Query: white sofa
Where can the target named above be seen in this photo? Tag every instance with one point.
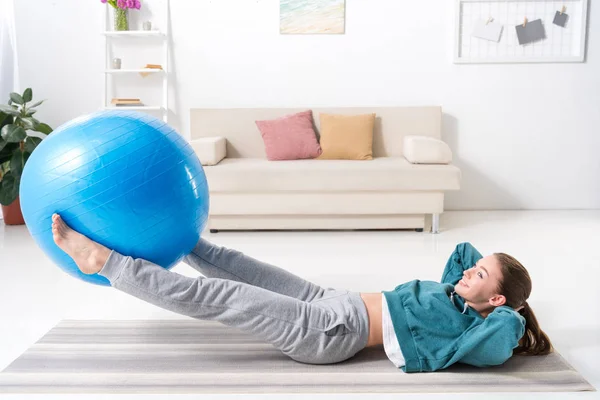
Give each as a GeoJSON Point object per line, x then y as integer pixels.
{"type": "Point", "coordinates": [406, 180]}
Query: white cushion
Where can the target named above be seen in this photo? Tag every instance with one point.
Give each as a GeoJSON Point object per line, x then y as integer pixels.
{"type": "Point", "coordinates": [426, 150]}
{"type": "Point", "coordinates": [210, 150]}
{"type": "Point", "coordinates": [379, 174]}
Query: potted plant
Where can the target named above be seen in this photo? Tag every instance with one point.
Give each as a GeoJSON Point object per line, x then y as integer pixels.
{"type": "Point", "coordinates": [16, 145]}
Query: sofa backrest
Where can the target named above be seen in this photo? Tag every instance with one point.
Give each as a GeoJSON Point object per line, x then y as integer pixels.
{"type": "Point", "coordinates": [244, 139]}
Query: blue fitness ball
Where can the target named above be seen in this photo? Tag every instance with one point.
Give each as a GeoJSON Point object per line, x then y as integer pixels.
{"type": "Point", "coordinates": [124, 179]}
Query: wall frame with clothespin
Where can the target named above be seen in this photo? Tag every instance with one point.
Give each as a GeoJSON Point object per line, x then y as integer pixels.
{"type": "Point", "coordinates": [515, 39]}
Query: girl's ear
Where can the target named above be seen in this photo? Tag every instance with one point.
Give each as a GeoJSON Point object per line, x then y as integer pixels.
{"type": "Point", "coordinates": [498, 300]}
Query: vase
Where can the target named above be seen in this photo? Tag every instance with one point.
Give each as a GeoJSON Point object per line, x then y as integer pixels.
{"type": "Point", "coordinates": [121, 19]}
{"type": "Point", "coordinates": [12, 213]}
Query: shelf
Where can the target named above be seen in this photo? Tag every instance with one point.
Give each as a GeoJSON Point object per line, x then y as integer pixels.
{"type": "Point", "coordinates": [133, 71]}
{"type": "Point", "coordinates": [136, 108]}
{"type": "Point", "coordinates": [134, 34]}
{"type": "Point", "coordinates": [155, 40]}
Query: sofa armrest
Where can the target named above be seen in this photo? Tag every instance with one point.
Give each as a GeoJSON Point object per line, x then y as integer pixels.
{"type": "Point", "coordinates": [210, 150]}
{"type": "Point", "coordinates": [426, 150]}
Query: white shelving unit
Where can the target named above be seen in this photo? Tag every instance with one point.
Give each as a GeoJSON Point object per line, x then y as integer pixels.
{"type": "Point", "coordinates": [162, 34]}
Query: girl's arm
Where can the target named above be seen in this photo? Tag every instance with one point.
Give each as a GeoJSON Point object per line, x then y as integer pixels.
{"type": "Point", "coordinates": [492, 342]}
{"type": "Point", "coordinates": [463, 258]}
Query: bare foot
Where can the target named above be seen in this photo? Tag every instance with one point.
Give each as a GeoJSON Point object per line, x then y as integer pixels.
{"type": "Point", "coordinates": [89, 256]}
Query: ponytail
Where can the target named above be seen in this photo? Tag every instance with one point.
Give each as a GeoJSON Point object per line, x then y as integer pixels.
{"type": "Point", "coordinates": [534, 342]}
{"type": "Point", "coordinates": [515, 285]}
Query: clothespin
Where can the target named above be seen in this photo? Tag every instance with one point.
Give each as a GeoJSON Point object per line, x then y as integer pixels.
{"type": "Point", "coordinates": [490, 19]}
{"type": "Point", "coordinates": [564, 8]}
{"type": "Point", "coordinates": [525, 22]}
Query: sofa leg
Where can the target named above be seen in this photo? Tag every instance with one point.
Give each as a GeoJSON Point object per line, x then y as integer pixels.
{"type": "Point", "coordinates": [214, 231]}
{"type": "Point", "coordinates": [435, 223]}
{"type": "Point", "coordinates": [418, 229]}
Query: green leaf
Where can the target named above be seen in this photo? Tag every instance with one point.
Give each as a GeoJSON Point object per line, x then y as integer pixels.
{"type": "Point", "coordinates": [44, 128]}
{"type": "Point", "coordinates": [7, 152]}
{"type": "Point", "coordinates": [27, 95]}
{"type": "Point", "coordinates": [31, 143]}
{"type": "Point", "coordinates": [17, 163]}
{"type": "Point", "coordinates": [3, 144]}
{"type": "Point", "coordinates": [30, 112]}
{"type": "Point", "coordinates": [28, 123]}
{"type": "Point", "coordinates": [9, 190]}
{"type": "Point", "coordinates": [16, 98]}
{"type": "Point", "coordinates": [5, 119]}
{"type": "Point", "coordinates": [36, 104]}
{"type": "Point", "coordinates": [9, 110]}
{"type": "Point", "coordinates": [13, 133]}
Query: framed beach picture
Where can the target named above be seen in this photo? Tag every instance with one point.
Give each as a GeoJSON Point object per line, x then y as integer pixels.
{"type": "Point", "coordinates": [312, 16]}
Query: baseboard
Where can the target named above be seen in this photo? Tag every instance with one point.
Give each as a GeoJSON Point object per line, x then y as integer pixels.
{"type": "Point", "coordinates": [315, 222]}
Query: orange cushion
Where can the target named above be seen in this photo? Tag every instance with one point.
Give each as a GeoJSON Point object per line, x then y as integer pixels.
{"type": "Point", "coordinates": [347, 137]}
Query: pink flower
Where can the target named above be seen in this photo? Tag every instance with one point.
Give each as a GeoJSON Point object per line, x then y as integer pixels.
{"type": "Point", "coordinates": [124, 4]}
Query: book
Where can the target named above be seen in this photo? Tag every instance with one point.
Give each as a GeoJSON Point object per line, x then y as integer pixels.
{"type": "Point", "coordinates": [150, 66]}
{"type": "Point", "coordinates": [120, 102]}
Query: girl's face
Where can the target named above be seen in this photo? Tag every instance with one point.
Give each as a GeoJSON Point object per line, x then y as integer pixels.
{"type": "Point", "coordinates": [479, 283]}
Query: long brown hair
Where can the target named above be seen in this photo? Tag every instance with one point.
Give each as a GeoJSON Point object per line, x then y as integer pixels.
{"type": "Point", "coordinates": [515, 285]}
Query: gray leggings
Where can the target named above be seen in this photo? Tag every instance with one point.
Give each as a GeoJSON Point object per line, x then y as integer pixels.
{"type": "Point", "coordinates": [306, 322]}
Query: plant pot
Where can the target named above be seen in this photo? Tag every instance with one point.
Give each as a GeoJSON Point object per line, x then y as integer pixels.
{"type": "Point", "coordinates": [12, 213]}
{"type": "Point", "coordinates": [121, 19]}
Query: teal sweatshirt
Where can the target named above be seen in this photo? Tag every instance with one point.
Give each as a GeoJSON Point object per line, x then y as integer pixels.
{"type": "Point", "coordinates": [435, 328]}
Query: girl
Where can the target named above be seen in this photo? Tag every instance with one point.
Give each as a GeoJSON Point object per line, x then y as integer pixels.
{"type": "Point", "coordinates": [477, 315]}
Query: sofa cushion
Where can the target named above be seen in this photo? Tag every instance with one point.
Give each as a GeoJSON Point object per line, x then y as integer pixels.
{"type": "Point", "coordinates": [210, 150]}
{"type": "Point", "coordinates": [426, 150]}
{"type": "Point", "coordinates": [291, 137]}
{"type": "Point", "coordinates": [379, 174]}
{"type": "Point", "coordinates": [347, 137]}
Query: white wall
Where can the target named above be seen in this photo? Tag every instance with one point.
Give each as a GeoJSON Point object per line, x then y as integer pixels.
{"type": "Point", "coordinates": [9, 79]}
{"type": "Point", "coordinates": [525, 136]}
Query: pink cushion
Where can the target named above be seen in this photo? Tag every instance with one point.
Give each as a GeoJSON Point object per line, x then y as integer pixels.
{"type": "Point", "coordinates": [290, 138]}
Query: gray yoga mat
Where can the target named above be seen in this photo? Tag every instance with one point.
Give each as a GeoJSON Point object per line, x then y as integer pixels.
{"type": "Point", "coordinates": [191, 356]}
